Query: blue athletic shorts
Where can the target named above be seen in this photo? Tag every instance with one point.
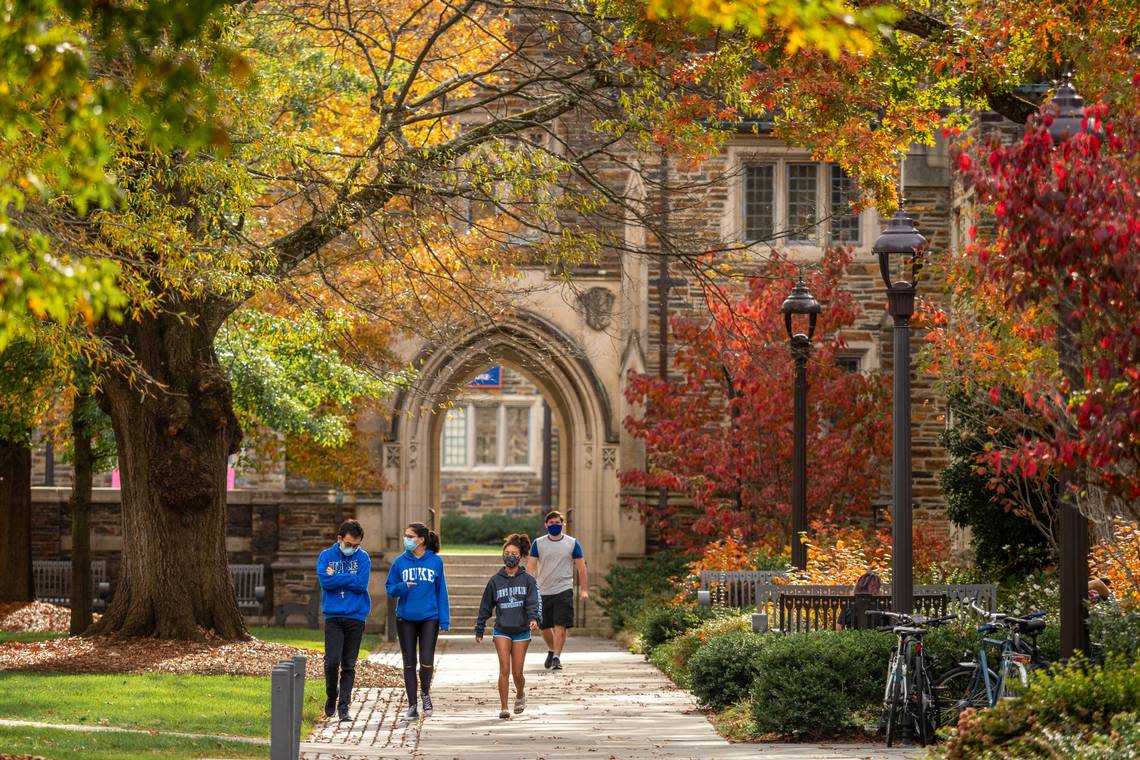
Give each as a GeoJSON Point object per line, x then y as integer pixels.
{"type": "Point", "coordinates": [520, 636]}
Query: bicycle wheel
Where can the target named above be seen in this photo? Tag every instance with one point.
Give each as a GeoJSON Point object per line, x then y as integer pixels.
{"type": "Point", "coordinates": [894, 705]}
{"type": "Point", "coordinates": [958, 689]}
{"type": "Point", "coordinates": [923, 706]}
{"type": "Point", "coordinates": [1014, 677]}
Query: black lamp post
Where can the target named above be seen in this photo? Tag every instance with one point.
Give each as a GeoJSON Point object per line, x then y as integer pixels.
{"type": "Point", "coordinates": [1068, 107]}
{"type": "Point", "coordinates": [901, 238]}
{"type": "Point", "coordinates": [800, 302]}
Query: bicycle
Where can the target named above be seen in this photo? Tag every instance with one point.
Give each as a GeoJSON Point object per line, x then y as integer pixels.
{"type": "Point", "coordinates": [909, 697]}
{"type": "Point", "coordinates": [974, 684]}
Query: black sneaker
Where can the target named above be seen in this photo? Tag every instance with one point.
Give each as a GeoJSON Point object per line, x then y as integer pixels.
{"type": "Point", "coordinates": [413, 713]}
{"type": "Point", "coordinates": [330, 707]}
{"type": "Point", "coordinates": [556, 664]}
{"type": "Point", "coordinates": [549, 660]}
{"type": "Point", "coordinates": [426, 699]}
{"type": "Point", "coordinates": [344, 714]}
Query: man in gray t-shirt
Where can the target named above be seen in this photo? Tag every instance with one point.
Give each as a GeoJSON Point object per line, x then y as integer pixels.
{"type": "Point", "coordinates": [553, 559]}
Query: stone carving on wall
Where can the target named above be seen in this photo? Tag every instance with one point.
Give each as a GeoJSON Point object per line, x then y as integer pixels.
{"type": "Point", "coordinates": [597, 305]}
{"type": "Point", "coordinates": [392, 456]}
{"type": "Point", "coordinates": [412, 450]}
{"type": "Point", "coordinates": [609, 457]}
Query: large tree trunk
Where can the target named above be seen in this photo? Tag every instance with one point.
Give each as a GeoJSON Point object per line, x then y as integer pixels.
{"type": "Point", "coordinates": [80, 505]}
{"type": "Point", "coordinates": [173, 444]}
{"type": "Point", "coordinates": [16, 582]}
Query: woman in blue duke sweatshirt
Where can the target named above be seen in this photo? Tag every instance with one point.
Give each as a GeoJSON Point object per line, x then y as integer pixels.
{"type": "Point", "coordinates": [416, 581]}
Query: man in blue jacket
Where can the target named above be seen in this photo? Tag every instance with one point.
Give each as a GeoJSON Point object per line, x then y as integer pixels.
{"type": "Point", "coordinates": [343, 570]}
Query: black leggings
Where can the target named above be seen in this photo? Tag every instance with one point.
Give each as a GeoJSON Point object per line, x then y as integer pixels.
{"type": "Point", "coordinates": [410, 632]}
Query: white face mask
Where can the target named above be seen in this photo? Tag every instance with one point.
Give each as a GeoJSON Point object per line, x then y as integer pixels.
{"type": "Point", "coordinates": [348, 551]}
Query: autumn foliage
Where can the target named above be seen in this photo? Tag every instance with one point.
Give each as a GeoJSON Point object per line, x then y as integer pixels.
{"type": "Point", "coordinates": [1117, 558]}
{"type": "Point", "coordinates": [718, 432]}
{"type": "Point", "coordinates": [1065, 246]}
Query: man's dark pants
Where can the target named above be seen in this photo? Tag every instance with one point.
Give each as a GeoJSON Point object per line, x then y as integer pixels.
{"type": "Point", "coordinates": [342, 645]}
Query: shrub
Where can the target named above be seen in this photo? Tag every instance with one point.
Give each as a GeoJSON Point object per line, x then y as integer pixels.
{"type": "Point", "coordinates": [670, 659]}
{"type": "Point", "coordinates": [1115, 631]}
{"type": "Point", "coordinates": [630, 589]}
{"type": "Point", "coordinates": [722, 670]}
{"type": "Point", "coordinates": [660, 624]}
{"type": "Point", "coordinates": [674, 657]}
{"type": "Point", "coordinates": [489, 529]}
{"type": "Point", "coordinates": [1075, 701]}
{"type": "Point", "coordinates": [813, 683]}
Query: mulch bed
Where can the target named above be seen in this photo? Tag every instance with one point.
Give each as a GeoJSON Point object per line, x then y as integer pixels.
{"type": "Point", "coordinates": [21, 757]}
{"type": "Point", "coordinates": [35, 617]}
{"type": "Point", "coordinates": [113, 654]}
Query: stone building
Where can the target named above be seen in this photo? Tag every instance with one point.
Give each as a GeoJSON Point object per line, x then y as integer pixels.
{"type": "Point", "coordinates": [455, 444]}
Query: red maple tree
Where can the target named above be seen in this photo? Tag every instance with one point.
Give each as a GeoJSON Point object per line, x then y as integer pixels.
{"type": "Point", "coordinates": [1066, 240]}
{"type": "Point", "coordinates": [718, 433]}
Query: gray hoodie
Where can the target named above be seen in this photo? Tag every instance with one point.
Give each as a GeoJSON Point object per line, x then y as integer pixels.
{"type": "Point", "coordinates": [516, 600]}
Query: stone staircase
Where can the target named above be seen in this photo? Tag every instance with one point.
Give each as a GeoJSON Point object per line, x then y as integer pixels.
{"type": "Point", "coordinates": [467, 576]}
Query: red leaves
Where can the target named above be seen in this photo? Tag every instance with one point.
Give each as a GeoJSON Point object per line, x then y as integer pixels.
{"type": "Point", "coordinates": [720, 434]}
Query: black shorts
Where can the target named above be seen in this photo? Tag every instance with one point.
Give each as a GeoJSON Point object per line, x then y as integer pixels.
{"type": "Point", "coordinates": [558, 609]}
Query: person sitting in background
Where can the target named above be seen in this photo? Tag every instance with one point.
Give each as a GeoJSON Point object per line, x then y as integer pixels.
{"type": "Point", "coordinates": [1098, 591]}
{"type": "Point", "coordinates": [854, 613]}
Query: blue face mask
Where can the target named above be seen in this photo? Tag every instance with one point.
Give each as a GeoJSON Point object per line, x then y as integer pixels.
{"type": "Point", "coordinates": [555, 529]}
{"type": "Point", "coordinates": [348, 551]}
{"type": "Point", "coordinates": [409, 544]}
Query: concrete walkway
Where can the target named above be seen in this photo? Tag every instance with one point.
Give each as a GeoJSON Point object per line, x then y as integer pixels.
{"type": "Point", "coordinates": [606, 704]}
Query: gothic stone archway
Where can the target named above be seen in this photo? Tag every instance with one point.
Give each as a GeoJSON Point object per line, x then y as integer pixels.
{"type": "Point", "coordinates": [589, 491]}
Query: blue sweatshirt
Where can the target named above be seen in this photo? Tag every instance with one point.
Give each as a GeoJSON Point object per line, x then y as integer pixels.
{"type": "Point", "coordinates": [427, 598]}
{"type": "Point", "coordinates": [344, 594]}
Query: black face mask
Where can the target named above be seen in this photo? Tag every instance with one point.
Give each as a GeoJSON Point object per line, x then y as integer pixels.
{"type": "Point", "coordinates": [511, 560]}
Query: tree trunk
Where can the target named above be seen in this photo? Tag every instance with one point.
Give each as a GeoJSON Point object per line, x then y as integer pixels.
{"type": "Point", "coordinates": [80, 505]}
{"type": "Point", "coordinates": [173, 444]}
{"type": "Point", "coordinates": [16, 582]}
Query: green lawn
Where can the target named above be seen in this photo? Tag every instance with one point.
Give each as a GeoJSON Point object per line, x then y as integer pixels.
{"type": "Point", "coordinates": [470, 549]}
{"type": "Point", "coordinates": [216, 705]}
{"type": "Point", "coordinates": [57, 744]}
{"type": "Point", "coordinates": [6, 636]}
{"type": "Point", "coordinates": [307, 638]}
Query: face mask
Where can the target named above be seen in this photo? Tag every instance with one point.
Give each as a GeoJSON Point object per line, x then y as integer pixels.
{"type": "Point", "coordinates": [348, 551]}
{"type": "Point", "coordinates": [511, 560]}
{"type": "Point", "coordinates": [409, 544]}
{"type": "Point", "coordinates": [555, 529]}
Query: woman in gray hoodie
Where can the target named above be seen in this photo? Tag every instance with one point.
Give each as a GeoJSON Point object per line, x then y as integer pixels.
{"type": "Point", "coordinates": [513, 594]}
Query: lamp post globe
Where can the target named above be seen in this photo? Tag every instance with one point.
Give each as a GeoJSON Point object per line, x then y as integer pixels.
{"type": "Point", "coordinates": [799, 303]}
{"type": "Point", "coordinates": [901, 240]}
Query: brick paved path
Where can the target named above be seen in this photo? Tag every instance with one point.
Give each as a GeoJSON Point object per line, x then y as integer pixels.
{"type": "Point", "coordinates": [605, 704]}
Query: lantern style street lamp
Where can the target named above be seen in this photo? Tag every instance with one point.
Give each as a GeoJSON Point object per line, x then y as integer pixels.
{"type": "Point", "coordinates": [1067, 108]}
{"type": "Point", "coordinates": [800, 303]}
{"type": "Point", "coordinates": [901, 240]}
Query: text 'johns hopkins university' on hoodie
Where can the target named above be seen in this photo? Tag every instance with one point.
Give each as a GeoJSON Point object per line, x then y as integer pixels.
{"type": "Point", "coordinates": [344, 594]}
{"type": "Point", "coordinates": [427, 599]}
{"type": "Point", "coordinates": [515, 600]}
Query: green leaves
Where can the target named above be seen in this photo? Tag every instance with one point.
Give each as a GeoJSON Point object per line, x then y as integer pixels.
{"type": "Point", "coordinates": [289, 375]}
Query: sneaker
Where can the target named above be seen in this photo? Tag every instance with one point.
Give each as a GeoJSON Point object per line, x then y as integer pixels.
{"type": "Point", "coordinates": [520, 703]}
{"type": "Point", "coordinates": [549, 660]}
{"type": "Point", "coordinates": [426, 699]}
{"type": "Point", "coordinates": [505, 714]}
{"type": "Point", "coordinates": [413, 713]}
{"type": "Point", "coordinates": [556, 664]}
{"type": "Point", "coordinates": [344, 714]}
{"type": "Point", "coordinates": [330, 707]}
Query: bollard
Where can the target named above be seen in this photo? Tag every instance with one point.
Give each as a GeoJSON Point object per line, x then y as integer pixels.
{"type": "Point", "coordinates": [298, 701]}
{"type": "Point", "coordinates": [759, 622]}
{"type": "Point", "coordinates": [704, 598]}
{"type": "Point", "coordinates": [281, 712]}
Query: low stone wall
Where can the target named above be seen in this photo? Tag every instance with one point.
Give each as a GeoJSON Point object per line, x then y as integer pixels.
{"type": "Point", "coordinates": [283, 530]}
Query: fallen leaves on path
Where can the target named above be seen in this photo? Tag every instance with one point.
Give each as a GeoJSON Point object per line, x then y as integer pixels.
{"type": "Point", "coordinates": [35, 617]}
{"type": "Point", "coordinates": [113, 654]}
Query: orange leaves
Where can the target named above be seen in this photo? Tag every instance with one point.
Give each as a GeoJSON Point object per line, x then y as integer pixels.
{"type": "Point", "coordinates": [1117, 557]}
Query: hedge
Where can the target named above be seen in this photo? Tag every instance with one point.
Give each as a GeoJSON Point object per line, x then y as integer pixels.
{"type": "Point", "coordinates": [631, 589]}
{"type": "Point", "coordinates": [488, 529]}
{"type": "Point", "coordinates": [724, 668]}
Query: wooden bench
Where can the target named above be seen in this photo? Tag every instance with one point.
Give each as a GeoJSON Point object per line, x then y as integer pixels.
{"type": "Point", "coordinates": [53, 582]}
{"type": "Point", "coordinates": [806, 612]}
{"type": "Point", "coordinates": [311, 609]}
{"type": "Point", "coordinates": [249, 585]}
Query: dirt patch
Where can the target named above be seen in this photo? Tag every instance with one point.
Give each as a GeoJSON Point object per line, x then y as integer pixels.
{"type": "Point", "coordinates": [35, 617]}
{"type": "Point", "coordinates": [112, 654]}
{"type": "Point", "coordinates": [21, 757]}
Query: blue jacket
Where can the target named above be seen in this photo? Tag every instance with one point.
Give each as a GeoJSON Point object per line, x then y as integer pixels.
{"type": "Point", "coordinates": [427, 598]}
{"type": "Point", "coordinates": [344, 594]}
